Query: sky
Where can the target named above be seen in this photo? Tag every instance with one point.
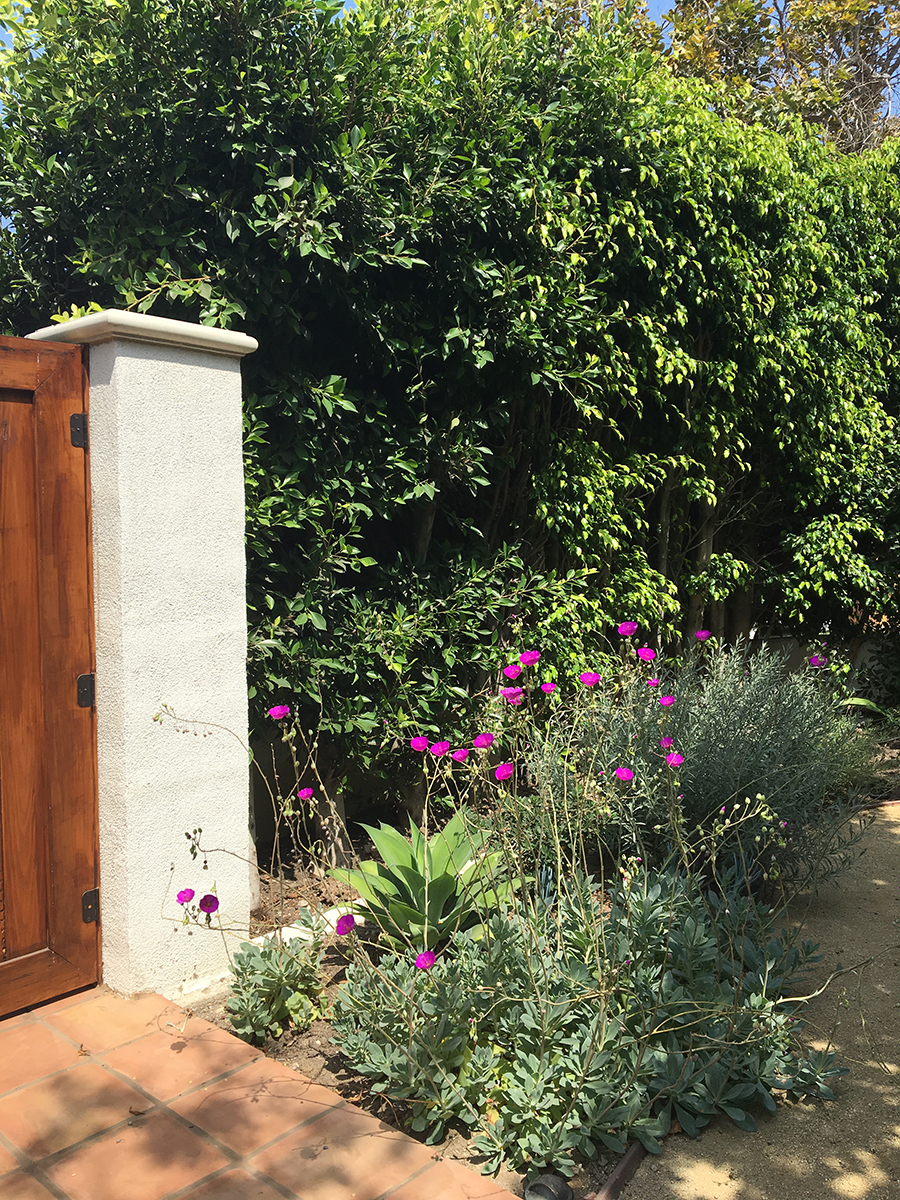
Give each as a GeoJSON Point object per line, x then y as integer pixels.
{"type": "Point", "coordinates": [656, 8]}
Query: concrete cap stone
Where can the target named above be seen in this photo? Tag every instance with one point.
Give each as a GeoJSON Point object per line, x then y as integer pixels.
{"type": "Point", "coordinates": [114, 324]}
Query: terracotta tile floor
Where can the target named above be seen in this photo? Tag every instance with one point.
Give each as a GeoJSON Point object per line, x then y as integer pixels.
{"type": "Point", "coordinates": [107, 1098]}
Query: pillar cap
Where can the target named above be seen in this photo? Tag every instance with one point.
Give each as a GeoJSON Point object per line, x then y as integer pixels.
{"type": "Point", "coordinates": [114, 324]}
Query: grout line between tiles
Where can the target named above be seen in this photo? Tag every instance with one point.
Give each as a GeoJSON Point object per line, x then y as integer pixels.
{"type": "Point", "coordinates": [53, 1189]}
{"type": "Point", "coordinates": [264, 1145]}
{"type": "Point", "coordinates": [154, 1106]}
{"type": "Point", "coordinates": [410, 1179]}
{"type": "Point", "coordinates": [22, 1159]}
{"type": "Point", "coordinates": [132, 1082]}
{"type": "Point", "coordinates": [260, 1176]}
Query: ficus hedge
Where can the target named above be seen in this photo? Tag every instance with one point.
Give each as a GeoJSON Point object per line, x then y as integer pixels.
{"type": "Point", "coordinates": [545, 339]}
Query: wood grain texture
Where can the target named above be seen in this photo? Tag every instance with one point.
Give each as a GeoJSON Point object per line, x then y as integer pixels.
{"type": "Point", "coordinates": [2, 908]}
{"type": "Point", "coordinates": [22, 795]}
{"type": "Point", "coordinates": [20, 369]}
{"type": "Point", "coordinates": [48, 768]}
{"type": "Point", "coordinates": [37, 978]}
{"type": "Point", "coordinates": [67, 651]}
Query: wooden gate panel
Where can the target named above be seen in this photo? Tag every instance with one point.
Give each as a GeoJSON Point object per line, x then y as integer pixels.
{"type": "Point", "coordinates": [48, 790]}
{"type": "Point", "coordinates": [21, 709]}
{"type": "Point", "coordinates": [67, 651]}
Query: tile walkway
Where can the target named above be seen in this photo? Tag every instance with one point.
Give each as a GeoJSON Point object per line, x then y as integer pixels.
{"type": "Point", "coordinates": [108, 1098]}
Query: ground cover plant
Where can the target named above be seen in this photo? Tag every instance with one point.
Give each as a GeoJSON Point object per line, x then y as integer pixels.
{"type": "Point", "coordinates": [565, 1027]}
{"type": "Point", "coordinates": [276, 984]}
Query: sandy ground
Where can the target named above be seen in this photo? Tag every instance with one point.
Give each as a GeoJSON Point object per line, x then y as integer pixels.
{"type": "Point", "coordinates": [848, 1149]}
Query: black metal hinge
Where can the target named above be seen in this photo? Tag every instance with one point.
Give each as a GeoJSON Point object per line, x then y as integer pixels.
{"type": "Point", "coordinates": [85, 691]}
{"type": "Point", "coordinates": [90, 906]}
{"type": "Point", "coordinates": [79, 430]}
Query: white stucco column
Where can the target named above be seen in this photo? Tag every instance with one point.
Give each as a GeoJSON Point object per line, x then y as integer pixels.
{"type": "Point", "coordinates": [167, 498]}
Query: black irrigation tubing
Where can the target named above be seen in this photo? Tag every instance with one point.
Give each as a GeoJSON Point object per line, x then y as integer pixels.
{"type": "Point", "coordinates": [622, 1173]}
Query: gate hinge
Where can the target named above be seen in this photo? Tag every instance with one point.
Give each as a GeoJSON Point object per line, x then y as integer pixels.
{"type": "Point", "coordinates": [90, 906]}
{"type": "Point", "coordinates": [85, 691]}
{"type": "Point", "coordinates": [78, 429]}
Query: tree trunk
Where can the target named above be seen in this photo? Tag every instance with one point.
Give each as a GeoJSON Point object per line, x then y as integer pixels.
{"type": "Point", "coordinates": [697, 603]}
{"type": "Point", "coordinates": [740, 616]}
{"type": "Point", "coordinates": [423, 524]}
{"type": "Point", "coordinates": [411, 795]}
{"type": "Point", "coordinates": [717, 619]}
{"type": "Point", "coordinates": [665, 524]}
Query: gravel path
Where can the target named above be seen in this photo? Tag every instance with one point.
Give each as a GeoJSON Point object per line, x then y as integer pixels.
{"type": "Point", "coordinates": [849, 1149]}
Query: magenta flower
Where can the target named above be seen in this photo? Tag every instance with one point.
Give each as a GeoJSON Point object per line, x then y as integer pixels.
{"type": "Point", "coordinates": [345, 924]}
{"type": "Point", "coordinates": [440, 748]}
{"type": "Point", "coordinates": [674, 760]}
{"type": "Point", "coordinates": [667, 743]}
{"type": "Point", "coordinates": [665, 701]}
{"type": "Point", "coordinates": [483, 740]}
{"type": "Point", "coordinates": [652, 683]}
{"type": "Point", "coordinates": [702, 634]}
{"type": "Point", "coordinates": [419, 743]}
{"type": "Point", "coordinates": [425, 960]}
{"type": "Point", "coordinates": [515, 701]}
{"type": "Point", "coordinates": [627, 628]}
{"type": "Point", "coordinates": [186, 896]}
{"type": "Point", "coordinates": [589, 678]}
{"type": "Point", "coordinates": [503, 772]}
{"type": "Point", "coordinates": [816, 661]}
{"type": "Point", "coordinates": [529, 657]}
{"type": "Point", "coordinates": [513, 695]}
{"type": "Point", "coordinates": [305, 794]}
{"type": "Point", "coordinates": [548, 688]}
{"type": "Point", "coordinates": [624, 774]}
{"type": "Point", "coordinates": [459, 755]}
{"type": "Point", "coordinates": [513, 671]}
{"type": "Point", "coordinates": [208, 903]}
{"type": "Point", "coordinates": [645, 654]}
{"type": "Point", "coordinates": [279, 712]}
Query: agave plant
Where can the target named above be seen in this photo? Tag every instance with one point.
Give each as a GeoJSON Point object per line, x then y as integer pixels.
{"type": "Point", "coordinates": [426, 888]}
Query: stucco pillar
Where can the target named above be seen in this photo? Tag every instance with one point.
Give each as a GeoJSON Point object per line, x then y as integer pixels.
{"type": "Point", "coordinates": [167, 500]}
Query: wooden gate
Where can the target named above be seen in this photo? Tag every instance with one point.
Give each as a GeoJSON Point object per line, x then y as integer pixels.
{"type": "Point", "coordinates": [49, 930]}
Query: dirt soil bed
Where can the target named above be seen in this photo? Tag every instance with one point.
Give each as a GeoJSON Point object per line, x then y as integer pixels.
{"type": "Point", "coordinates": [846, 1150]}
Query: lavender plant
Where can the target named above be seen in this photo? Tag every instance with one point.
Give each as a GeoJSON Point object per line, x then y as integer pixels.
{"type": "Point", "coordinates": [659, 745]}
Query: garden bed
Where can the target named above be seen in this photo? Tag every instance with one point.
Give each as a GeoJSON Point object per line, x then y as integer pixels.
{"type": "Point", "coordinates": [311, 1052]}
{"type": "Point", "coordinates": [674, 956]}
